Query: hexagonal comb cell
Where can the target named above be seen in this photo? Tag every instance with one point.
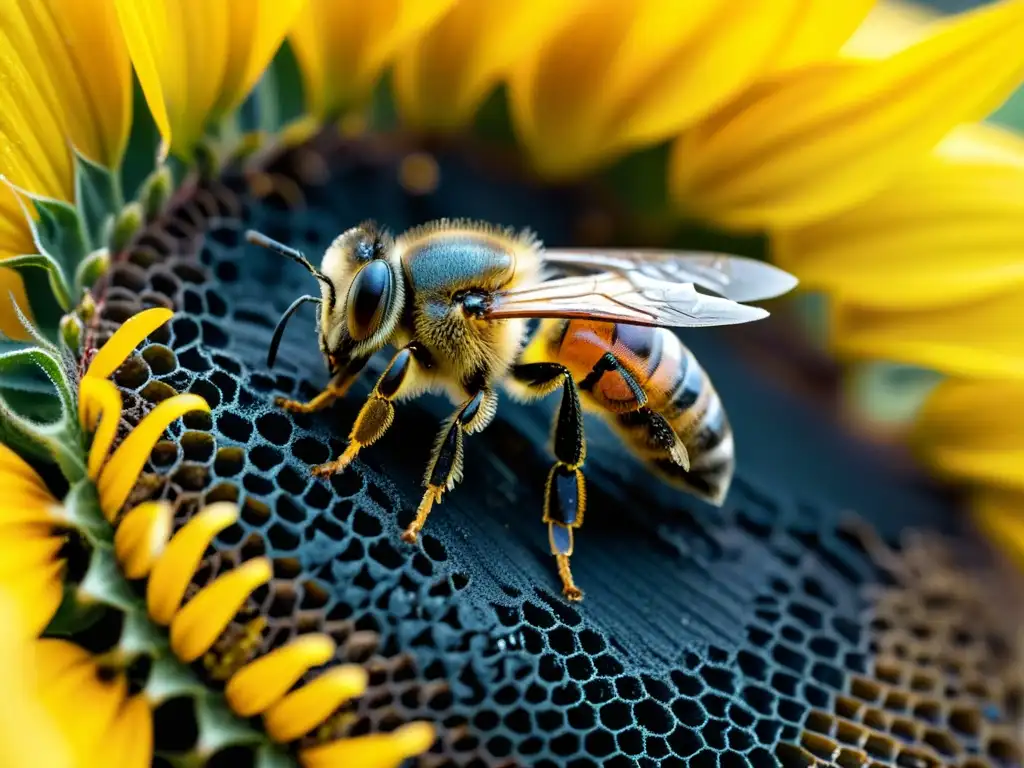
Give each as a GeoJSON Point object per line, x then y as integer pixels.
{"type": "Point", "coordinates": [771, 637]}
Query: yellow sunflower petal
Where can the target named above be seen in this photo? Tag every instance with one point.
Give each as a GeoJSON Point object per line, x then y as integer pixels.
{"type": "Point", "coordinates": [71, 678]}
{"type": "Point", "coordinates": [378, 750]}
{"type": "Point", "coordinates": [129, 743]}
{"type": "Point", "coordinates": [23, 492]}
{"type": "Point", "coordinates": [197, 60]}
{"type": "Point", "coordinates": [343, 45]}
{"type": "Point", "coordinates": [173, 571]}
{"type": "Point", "coordinates": [999, 513]}
{"type": "Point", "coordinates": [808, 143]}
{"type": "Point", "coordinates": [32, 575]}
{"type": "Point", "coordinates": [66, 84]}
{"type": "Point", "coordinates": [442, 76]}
{"type": "Point", "coordinates": [12, 465]}
{"type": "Point", "coordinates": [30, 732]}
{"type": "Point", "coordinates": [947, 231]}
{"type": "Point", "coordinates": [99, 411]}
{"type": "Point", "coordinates": [122, 471]}
{"type": "Point", "coordinates": [617, 75]}
{"type": "Point", "coordinates": [141, 537]}
{"type": "Point", "coordinates": [132, 331]}
{"type": "Point", "coordinates": [890, 26]}
{"type": "Point", "coordinates": [197, 625]}
{"type": "Point", "coordinates": [302, 710]}
{"type": "Point", "coordinates": [819, 30]}
{"type": "Point", "coordinates": [973, 430]}
{"type": "Point", "coordinates": [258, 685]}
{"type": "Point", "coordinates": [86, 58]}
{"type": "Point", "coordinates": [12, 293]}
{"type": "Point", "coordinates": [983, 338]}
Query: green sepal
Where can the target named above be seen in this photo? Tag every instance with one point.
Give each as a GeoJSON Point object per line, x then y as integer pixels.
{"type": "Point", "coordinates": [42, 303]}
{"type": "Point", "coordinates": [73, 616]}
{"type": "Point", "coordinates": [59, 440]}
{"type": "Point", "coordinates": [219, 727]}
{"type": "Point", "coordinates": [104, 582]}
{"type": "Point", "coordinates": [381, 109]}
{"type": "Point", "coordinates": [140, 155]}
{"type": "Point", "coordinates": [58, 233]}
{"type": "Point", "coordinates": [493, 120]}
{"type": "Point", "coordinates": [169, 678]}
{"type": "Point", "coordinates": [53, 270]}
{"type": "Point", "coordinates": [277, 98]}
{"type": "Point", "coordinates": [97, 195]}
{"type": "Point", "coordinates": [273, 756]}
{"type": "Point", "coordinates": [140, 637]}
{"type": "Point", "coordinates": [82, 505]}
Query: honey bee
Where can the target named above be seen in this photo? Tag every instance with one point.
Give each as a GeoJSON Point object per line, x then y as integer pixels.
{"type": "Point", "coordinates": [456, 299]}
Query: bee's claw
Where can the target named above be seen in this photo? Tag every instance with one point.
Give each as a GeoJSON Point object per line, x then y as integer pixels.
{"type": "Point", "coordinates": [573, 594]}
{"type": "Point", "coordinates": [410, 536]}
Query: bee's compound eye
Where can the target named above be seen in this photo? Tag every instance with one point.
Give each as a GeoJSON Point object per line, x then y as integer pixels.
{"type": "Point", "coordinates": [369, 298]}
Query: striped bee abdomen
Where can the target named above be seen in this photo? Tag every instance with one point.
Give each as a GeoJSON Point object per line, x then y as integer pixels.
{"type": "Point", "coordinates": [618, 367]}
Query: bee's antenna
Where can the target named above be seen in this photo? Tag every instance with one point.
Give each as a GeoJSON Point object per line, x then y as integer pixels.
{"type": "Point", "coordinates": [275, 341]}
{"type": "Point", "coordinates": [258, 238]}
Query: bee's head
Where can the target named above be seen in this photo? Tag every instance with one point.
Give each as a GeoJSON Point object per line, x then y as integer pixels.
{"type": "Point", "coordinates": [362, 292]}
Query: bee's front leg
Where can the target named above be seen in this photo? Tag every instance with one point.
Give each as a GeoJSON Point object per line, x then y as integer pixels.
{"type": "Point", "coordinates": [378, 412]}
{"type": "Point", "coordinates": [445, 468]}
{"type": "Point", "coordinates": [336, 389]}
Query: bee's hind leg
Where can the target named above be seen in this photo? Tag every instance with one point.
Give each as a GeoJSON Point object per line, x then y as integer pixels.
{"type": "Point", "coordinates": [565, 490]}
{"type": "Point", "coordinates": [445, 468]}
{"type": "Point", "coordinates": [378, 412]}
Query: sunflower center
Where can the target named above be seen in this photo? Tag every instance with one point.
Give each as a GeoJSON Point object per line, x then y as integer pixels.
{"type": "Point", "coordinates": [465, 625]}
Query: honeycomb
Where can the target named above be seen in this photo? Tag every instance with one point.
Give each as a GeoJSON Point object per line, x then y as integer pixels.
{"type": "Point", "coordinates": [772, 632]}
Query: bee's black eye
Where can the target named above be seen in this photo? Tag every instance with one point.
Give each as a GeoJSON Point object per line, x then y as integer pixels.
{"type": "Point", "coordinates": [369, 298]}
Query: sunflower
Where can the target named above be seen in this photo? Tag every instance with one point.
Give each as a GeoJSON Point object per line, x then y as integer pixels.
{"type": "Point", "coordinates": [208, 601]}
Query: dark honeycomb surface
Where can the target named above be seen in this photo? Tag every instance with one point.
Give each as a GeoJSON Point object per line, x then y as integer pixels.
{"type": "Point", "coordinates": [794, 626]}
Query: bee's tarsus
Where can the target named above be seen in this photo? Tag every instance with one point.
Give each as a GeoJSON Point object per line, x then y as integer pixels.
{"type": "Point", "coordinates": [430, 497]}
{"type": "Point", "coordinates": [445, 468]}
{"type": "Point", "coordinates": [572, 593]}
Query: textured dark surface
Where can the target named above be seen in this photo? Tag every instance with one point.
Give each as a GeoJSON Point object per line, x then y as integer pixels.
{"type": "Point", "coordinates": [724, 637]}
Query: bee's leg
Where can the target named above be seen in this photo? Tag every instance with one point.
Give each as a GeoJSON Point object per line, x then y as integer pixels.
{"type": "Point", "coordinates": [336, 389]}
{"type": "Point", "coordinates": [607, 364]}
{"type": "Point", "coordinates": [377, 412]}
{"type": "Point", "coordinates": [445, 468]}
{"type": "Point", "coordinates": [662, 439]}
{"type": "Point", "coordinates": [565, 491]}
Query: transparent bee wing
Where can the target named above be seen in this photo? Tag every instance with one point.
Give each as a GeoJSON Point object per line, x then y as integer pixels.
{"type": "Point", "coordinates": [632, 298]}
{"type": "Point", "coordinates": [732, 277]}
